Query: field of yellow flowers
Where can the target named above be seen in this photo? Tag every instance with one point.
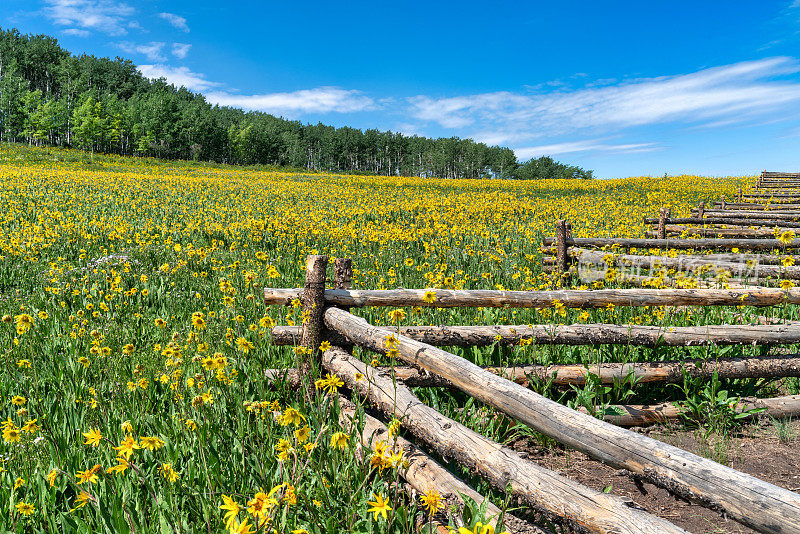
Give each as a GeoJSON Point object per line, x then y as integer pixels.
{"type": "Point", "coordinates": [134, 336]}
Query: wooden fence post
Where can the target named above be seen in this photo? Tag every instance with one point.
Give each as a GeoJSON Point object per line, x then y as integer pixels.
{"type": "Point", "coordinates": [313, 301]}
{"type": "Point", "coordinates": [740, 195]}
{"type": "Point", "coordinates": [562, 253]}
{"type": "Point", "coordinates": [723, 202]}
{"type": "Point", "coordinates": [701, 210]}
{"type": "Point", "coordinates": [343, 273]}
{"type": "Point", "coordinates": [662, 223]}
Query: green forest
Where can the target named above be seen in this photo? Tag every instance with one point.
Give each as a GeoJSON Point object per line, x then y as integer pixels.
{"type": "Point", "coordinates": [49, 96]}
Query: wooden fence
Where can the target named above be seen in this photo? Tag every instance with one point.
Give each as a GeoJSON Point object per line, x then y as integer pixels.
{"type": "Point", "coordinates": [753, 502]}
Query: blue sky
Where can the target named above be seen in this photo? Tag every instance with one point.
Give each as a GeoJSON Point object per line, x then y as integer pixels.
{"type": "Point", "coordinates": [625, 88]}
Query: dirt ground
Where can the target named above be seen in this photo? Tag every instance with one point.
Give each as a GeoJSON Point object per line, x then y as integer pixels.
{"type": "Point", "coordinates": [756, 450]}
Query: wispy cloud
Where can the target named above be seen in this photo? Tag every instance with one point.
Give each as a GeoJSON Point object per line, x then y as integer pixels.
{"type": "Point", "coordinates": [152, 50]}
{"type": "Point", "coordinates": [178, 76]}
{"type": "Point", "coordinates": [179, 50]}
{"type": "Point", "coordinates": [583, 146]}
{"type": "Point", "coordinates": [176, 21]}
{"type": "Point", "coordinates": [294, 104]}
{"type": "Point", "coordinates": [736, 92]}
{"type": "Point", "coordinates": [77, 32]}
{"type": "Point", "coordinates": [100, 15]}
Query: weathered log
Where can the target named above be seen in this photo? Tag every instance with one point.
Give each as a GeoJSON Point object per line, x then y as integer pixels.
{"type": "Point", "coordinates": [688, 263]}
{"type": "Point", "coordinates": [754, 206]}
{"type": "Point", "coordinates": [562, 258]}
{"type": "Point", "coordinates": [677, 282]}
{"type": "Point", "coordinates": [644, 415]}
{"type": "Point", "coordinates": [504, 468]}
{"type": "Point", "coordinates": [623, 242]}
{"type": "Point", "coordinates": [771, 366]}
{"type": "Point", "coordinates": [765, 259]}
{"type": "Point", "coordinates": [753, 502]}
{"type": "Point", "coordinates": [772, 215]}
{"type": "Point", "coordinates": [672, 230]}
{"type": "Point", "coordinates": [423, 473]}
{"type": "Point", "coordinates": [313, 302]}
{"type": "Point", "coordinates": [583, 334]}
{"type": "Point", "coordinates": [588, 276]}
{"type": "Point", "coordinates": [727, 221]}
{"type": "Point", "coordinates": [661, 233]}
{"type": "Point", "coordinates": [570, 298]}
{"type": "Point", "coordinates": [343, 274]}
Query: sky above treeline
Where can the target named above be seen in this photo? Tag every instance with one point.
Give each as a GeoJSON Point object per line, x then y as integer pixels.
{"type": "Point", "coordinates": [625, 88]}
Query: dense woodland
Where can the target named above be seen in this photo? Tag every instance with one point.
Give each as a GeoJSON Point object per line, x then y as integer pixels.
{"type": "Point", "coordinates": [49, 96]}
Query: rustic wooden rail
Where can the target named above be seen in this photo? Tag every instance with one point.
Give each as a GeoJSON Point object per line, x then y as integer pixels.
{"type": "Point", "coordinates": [749, 214]}
{"type": "Point", "coordinates": [570, 298]}
{"type": "Point", "coordinates": [644, 415]}
{"type": "Point", "coordinates": [770, 366]}
{"type": "Point", "coordinates": [752, 269]}
{"type": "Point", "coordinates": [540, 488]}
{"type": "Point", "coordinates": [582, 334]}
{"type": "Point", "coordinates": [727, 221]}
{"type": "Point", "coordinates": [678, 244]}
{"type": "Point", "coordinates": [753, 502]}
{"type": "Point", "coordinates": [709, 231]}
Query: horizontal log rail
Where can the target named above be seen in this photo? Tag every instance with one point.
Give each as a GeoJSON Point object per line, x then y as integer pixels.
{"type": "Point", "coordinates": [753, 502]}
{"type": "Point", "coordinates": [734, 214]}
{"type": "Point", "coordinates": [771, 366]}
{"type": "Point", "coordinates": [752, 206]}
{"type": "Point", "coordinates": [753, 269]}
{"type": "Point", "coordinates": [504, 468]}
{"type": "Point", "coordinates": [728, 221]}
{"type": "Point", "coordinates": [743, 244]}
{"type": "Point", "coordinates": [708, 231]}
{"type": "Point", "coordinates": [581, 334]}
{"type": "Point", "coordinates": [588, 276]}
{"type": "Point", "coordinates": [626, 415]}
{"type": "Point", "coordinates": [570, 298]}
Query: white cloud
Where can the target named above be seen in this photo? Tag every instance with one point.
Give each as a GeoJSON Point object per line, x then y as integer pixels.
{"type": "Point", "coordinates": [317, 100]}
{"type": "Point", "coordinates": [152, 50]}
{"type": "Point", "coordinates": [582, 146]}
{"type": "Point", "coordinates": [737, 91]}
{"type": "Point", "coordinates": [289, 104]}
{"type": "Point", "coordinates": [179, 50]}
{"type": "Point", "coordinates": [76, 32]}
{"type": "Point", "coordinates": [176, 21]}
{"type": "Point", "coordinates": [101, 15]}
{"type": "Point", "coordinates": [178, 76]}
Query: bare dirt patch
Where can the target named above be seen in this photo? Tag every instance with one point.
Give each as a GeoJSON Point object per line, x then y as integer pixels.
{"type": "Point", "coordinates": [756, 450]}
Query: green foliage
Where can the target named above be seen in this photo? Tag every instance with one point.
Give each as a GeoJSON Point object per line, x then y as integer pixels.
{"type": "Point", "coordinates": [713, 408]}
{"type": "Point", "coordinates": [546, 167]}
{"type": "Point", "coordinates": [48, 96]}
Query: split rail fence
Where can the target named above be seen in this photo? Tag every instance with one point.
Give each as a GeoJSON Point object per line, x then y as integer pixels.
{"type": "Point", "coordinates": [761, 223]}
{"type": "Point", "coordinates": [749, 500]}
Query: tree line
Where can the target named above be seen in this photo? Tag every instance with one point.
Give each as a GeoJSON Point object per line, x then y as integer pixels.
{"type": "Point", "coordinates": [49, 96]}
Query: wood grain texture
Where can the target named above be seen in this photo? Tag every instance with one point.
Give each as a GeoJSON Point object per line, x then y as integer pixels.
{"type": "Point", "coordinates": [571, 298]}
{"type": "Point", "coordinates": [540, 488]}
{"type": "Point", "coordinates": [644, 415]}
{"type": "Point", "coordinates": [772, 366]}
{"type": "Point", "coordinates": [753, 269]}
{"type": "Point", "coordinates": [681, 244]}
{"type": "Point", "coordinates": [728, 221]}
{"type": "Point", "coordinates": [711, 231]}
{"type": "Point", "coordinates": [313, 301]}
{"type": "Point", "coordinates": [582, 334]}
{"type": "Point", "coordinates": [753, 502]}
